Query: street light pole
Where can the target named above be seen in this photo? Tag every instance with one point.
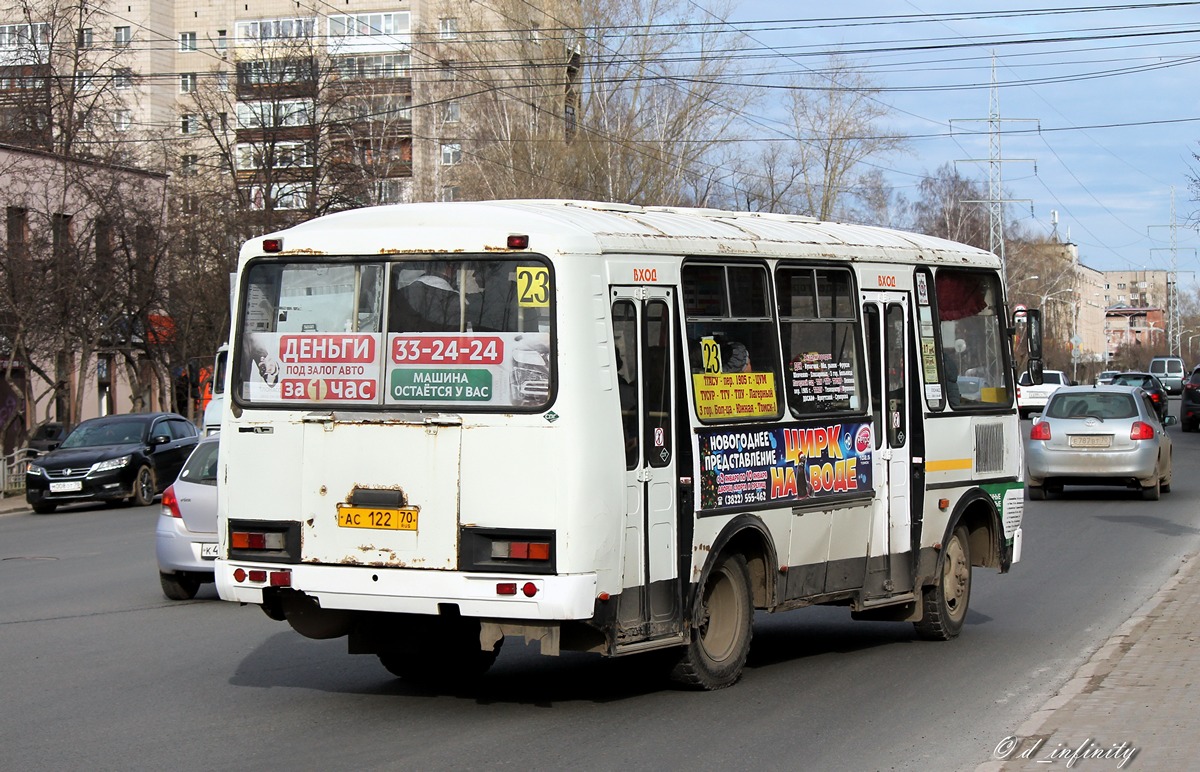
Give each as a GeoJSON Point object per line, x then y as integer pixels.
{"type": "Point", "coordinates": [1191, 356]}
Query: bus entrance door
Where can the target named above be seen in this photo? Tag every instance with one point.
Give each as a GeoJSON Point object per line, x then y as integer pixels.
{"type": "Point", "coordinates": [885, 317]}
{"type": "Point", "coordinates": [649, 605]}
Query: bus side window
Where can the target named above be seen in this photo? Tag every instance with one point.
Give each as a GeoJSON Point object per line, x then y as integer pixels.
{"type": "Point", "coordinates": [657, 384]}
{"type": "Point", "coordinates": [625, 339]}
{"type": "Point", "coordinates": [874, 368]}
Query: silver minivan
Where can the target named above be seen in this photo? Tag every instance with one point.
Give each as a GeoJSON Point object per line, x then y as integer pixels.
{"type": "Point", "coordinates": [1170, 371]}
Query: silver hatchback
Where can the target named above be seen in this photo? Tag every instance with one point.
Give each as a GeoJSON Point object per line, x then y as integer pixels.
{"type": "Point", "coordinates": [186, 534]}
{"type": "Point", "coordinates": [1099, 435]}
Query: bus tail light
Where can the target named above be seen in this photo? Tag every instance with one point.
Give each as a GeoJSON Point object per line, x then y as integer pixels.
{"type": "Point", "coordinates": [1040, 431]}
{"type": "Point", "coordinates": [507, 550]}
{"type": "Point", "coordinates": [255, 540]}
{"type": "Point", "coordinates": [521, 550]}
{"type": "Point", "coordinates": [272, 541]}
{"type": "Point", "coordinates": [1141, 431]}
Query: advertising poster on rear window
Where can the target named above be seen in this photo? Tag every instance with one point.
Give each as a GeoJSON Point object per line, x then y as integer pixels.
{"type": "Point", "coordinates": [774, 466]}
{"type": "Point", "coordinates": [312, 367]}
{"type": "Point", "coordinates": [501, 369]}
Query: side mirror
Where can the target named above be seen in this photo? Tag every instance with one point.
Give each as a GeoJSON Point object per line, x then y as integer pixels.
{"type": "Point", "coordinates": [1035, 371]}
{"type": "Point", "coordinates": [159, 439]}
{"type": "Point", "coordinates": [1033, 322]}
{"type": "Point", "coordinates": [1170, 420]}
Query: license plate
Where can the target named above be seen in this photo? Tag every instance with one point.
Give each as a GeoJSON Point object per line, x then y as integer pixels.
{"type": "Point", "coordinates": [1090, 440]}
{"type": "Point", "coordinates": [66, 487]}
{"type": "Point", "coordinates": [208, 551]}
{"type": "Point", "coordinates": [383, 518]}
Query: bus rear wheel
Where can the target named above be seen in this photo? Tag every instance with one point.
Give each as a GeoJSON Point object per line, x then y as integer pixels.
{"type": "Point", "coordinates": [721, 628]}
{"type": "Point", "coordinates": [440, 653]}
{"type": "Point", "coordinates": [946, 601]}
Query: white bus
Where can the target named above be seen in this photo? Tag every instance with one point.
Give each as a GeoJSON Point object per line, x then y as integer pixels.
{"type": "Point", "coordinates": [612, 429]}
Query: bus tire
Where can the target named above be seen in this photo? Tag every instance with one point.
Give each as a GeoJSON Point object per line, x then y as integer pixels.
{"type": "Point", "coordinates": [946, 602]}
{"type": "Point", "coordinates": [721, 628]}
{"type": "Point", "coordinates": [440, 654]}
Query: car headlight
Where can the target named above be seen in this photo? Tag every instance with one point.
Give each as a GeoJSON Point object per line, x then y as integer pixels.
{"type": "Point", "coordinates": [112, 463]}
{"type": "Point", "coordinates": [34, 469]}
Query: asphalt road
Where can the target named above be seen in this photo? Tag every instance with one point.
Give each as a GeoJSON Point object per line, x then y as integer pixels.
{"type": "Point", "coordinates": [101, 672]}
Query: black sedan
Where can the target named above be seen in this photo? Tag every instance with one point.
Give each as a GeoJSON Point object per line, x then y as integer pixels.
{"type": "Point", "coordinates": [1149, 384]}
{"type": "Point", "coordinates": [121, 458]}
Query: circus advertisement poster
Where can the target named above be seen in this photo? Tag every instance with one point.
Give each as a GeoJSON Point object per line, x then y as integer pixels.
{"type": "Point", "coordinates": [769, 466]}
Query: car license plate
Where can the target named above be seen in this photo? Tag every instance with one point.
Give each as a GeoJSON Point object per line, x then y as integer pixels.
{"type": "Point", "coordinates": [208, 551]}
{"type": "Point", "coordinates": [66, 487]}
{"type": "Point", "coordinates": [1090, 440]}
{"type": "Point", "coordinates": [384, 518]}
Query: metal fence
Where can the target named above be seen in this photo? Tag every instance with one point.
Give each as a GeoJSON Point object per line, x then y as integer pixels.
{"type": "Point", "coordinates": [12, 471]}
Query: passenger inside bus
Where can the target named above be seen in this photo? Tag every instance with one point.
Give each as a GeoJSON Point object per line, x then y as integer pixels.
{"type": "Point", "coordinates": [735, 358]}
{"type": "Point", "coordinates": [425, 299]}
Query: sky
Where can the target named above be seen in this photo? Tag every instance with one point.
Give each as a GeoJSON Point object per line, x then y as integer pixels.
{"type": "Point", "coordinates": [1098, 103]}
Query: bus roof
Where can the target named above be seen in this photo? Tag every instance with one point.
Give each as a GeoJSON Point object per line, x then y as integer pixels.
{"type": "Point", "coordinates": [588, 227]}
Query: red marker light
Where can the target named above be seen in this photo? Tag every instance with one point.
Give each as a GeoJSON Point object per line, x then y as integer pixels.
{"type": "Point", "coordinates": [272, 245]}
{"type": "Point", "coordinates": [257, 575]}
{"type": "Point", "coordinates": [518, 242]}
{"type": "Point", "coordinates": [506, 588]}
{"type": "Point", "coordinates": [239, 575]}
{"type": "Point", "coordinates": [281, 578]}
{"type": "Point", "coordinates": [530, 589]}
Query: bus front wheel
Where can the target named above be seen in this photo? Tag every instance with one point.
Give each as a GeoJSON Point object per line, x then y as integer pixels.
{"type": "Point", "coordinates": [721, 628]}
{"type": "Point", "coordinates": [946, 601]}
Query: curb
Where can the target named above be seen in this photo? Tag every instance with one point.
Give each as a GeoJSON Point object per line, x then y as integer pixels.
{"type": "Point", "coordinates": [1103, 661]}
{"type": "Point", "coordinates": [13, 505]}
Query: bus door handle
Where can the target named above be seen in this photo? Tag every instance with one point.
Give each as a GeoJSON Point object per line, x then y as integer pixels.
{"type": "Point", "coordinates": [645, 475]}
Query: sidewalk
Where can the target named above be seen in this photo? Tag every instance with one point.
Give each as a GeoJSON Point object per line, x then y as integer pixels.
{"type": "Point", "coordinates": [12, 504]}
{"type": "Point", "coordinates": [1134, 705]}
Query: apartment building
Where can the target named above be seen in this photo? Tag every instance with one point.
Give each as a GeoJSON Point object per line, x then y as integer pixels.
{"type": "Point", "coordinates": [1136, 289]}
{"type": "Point", "coordinates": [352, 101]}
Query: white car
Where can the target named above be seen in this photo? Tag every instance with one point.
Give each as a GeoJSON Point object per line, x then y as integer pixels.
{"type": "Point", "coordinates": [1030, 398]}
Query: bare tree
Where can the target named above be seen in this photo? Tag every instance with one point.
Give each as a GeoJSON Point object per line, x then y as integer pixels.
{"type": "Point", "coordinates": [944, 208]}
{"type": "Point", "coordinates": [583, 100]}
{"type": "Point", "coordinates": [823, 170]}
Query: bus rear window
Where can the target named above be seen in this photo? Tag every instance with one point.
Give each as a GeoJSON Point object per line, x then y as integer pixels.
{"type": "Point", "coordinates": [462, 333]}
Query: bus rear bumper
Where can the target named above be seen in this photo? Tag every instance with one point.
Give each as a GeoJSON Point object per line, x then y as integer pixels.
{"type": "Point", "coordinates": [414, 591]}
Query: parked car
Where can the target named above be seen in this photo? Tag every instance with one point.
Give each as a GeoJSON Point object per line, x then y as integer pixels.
{"type": "Point", "coordinates": [1105, 377]}
{"type": "Point", "coordinates": [47, 437]}
{"type": "Point", "coordinates": [1170, 371]}
{"type": "Point", "coordinates": [1030, 398]}
{"type": "Point", "coordinates": [1153, 387]}
{"type": "Point", "coordinates": [1099, 435]}
{"type": "Point", "coordinates": [186, 535]}
{"type": "Point", "coordinates": [1189, 403]}
{"type": "Point", "coordinates": [120, 458]}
